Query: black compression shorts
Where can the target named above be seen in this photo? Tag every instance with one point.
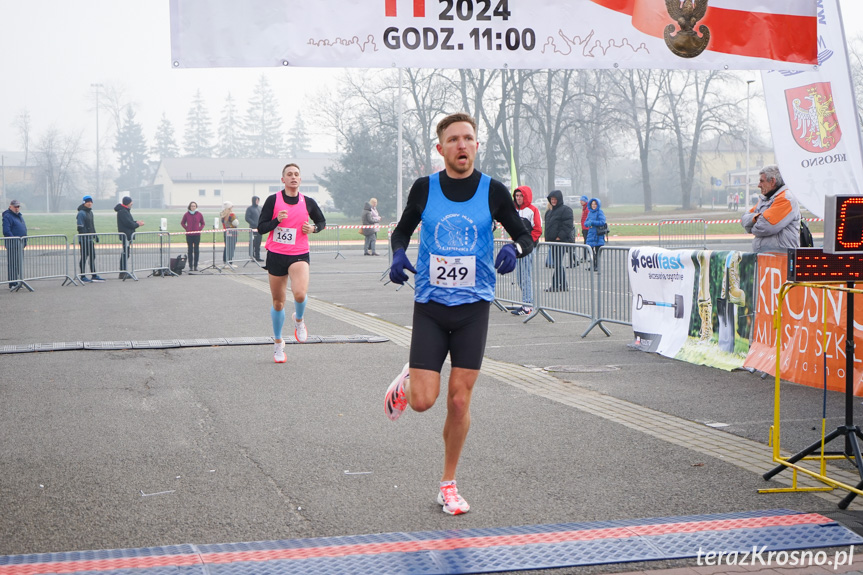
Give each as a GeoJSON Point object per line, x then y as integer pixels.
{"type": "Point", "coordinates": [278, 264]}
{"type": "Point", "coordinates": [460, 330]}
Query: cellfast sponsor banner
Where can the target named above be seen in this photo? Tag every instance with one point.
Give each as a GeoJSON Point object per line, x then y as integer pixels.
{"type": "Point", "coordinates": [805, 343]}
{"type": "Point", "coordinates": [532, 34]}
{"type": "Point", "coordinates": [661, 282]}
{"type": "Point", "coordinates": [813, 120]}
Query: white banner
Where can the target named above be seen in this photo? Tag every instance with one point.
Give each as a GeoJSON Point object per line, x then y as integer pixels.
{"type": "Point", "coordinates": [530, 34]}
{"type": "Point", "coordinates": [662, 285]}
{"type": "Point", "coordinates": [813, 120]}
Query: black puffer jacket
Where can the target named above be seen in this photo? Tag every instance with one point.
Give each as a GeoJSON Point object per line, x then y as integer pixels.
{"type": "Point", "coordinates": [126, 224]}
{"type": "Point", "coordinates": [559, 221]}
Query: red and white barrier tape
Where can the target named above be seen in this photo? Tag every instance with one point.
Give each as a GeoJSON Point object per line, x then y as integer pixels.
{"type": "Point", "coordinates": [697, 222]}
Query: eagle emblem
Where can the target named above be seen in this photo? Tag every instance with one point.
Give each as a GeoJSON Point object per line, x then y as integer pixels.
{"type": "Point", "coordinates": [813, 117]}
{"type": "Point", "coordinates": [687, 43]}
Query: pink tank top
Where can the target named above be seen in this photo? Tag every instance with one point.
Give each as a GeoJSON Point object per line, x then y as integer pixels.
{"type": "Point", "coordinates": [288, 239]}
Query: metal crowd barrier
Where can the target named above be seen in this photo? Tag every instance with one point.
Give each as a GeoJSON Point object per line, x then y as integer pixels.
{"type": "Point", "coordinates": [33, 258]}
{"type": "Point", "coordinates": [508, 288]}
{"type": "Point", "coordinates": [613, 292]}
{"type": "Point", "coordinates": [239, 246]}
{"type": "Point", "coordinates": [150, 251]}
{"type": "Point", "coordinates": [683, 234]}
{"type": "Point", "coordinates": [563, 279]}
{"type": "Point", "coordinates": [326, 241]}
{"type": "Point", "coordinates": [99, 254]}
{"type": "Point", "coordinates": [217, 249]}
{"type": "Point", "coordinates": [560, 279]}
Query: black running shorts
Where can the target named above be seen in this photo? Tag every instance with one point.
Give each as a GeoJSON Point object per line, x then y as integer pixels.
{"type": "Point", "coordinates": [458, 330]}
{"type": "Point", "coordinates": [278, 264]}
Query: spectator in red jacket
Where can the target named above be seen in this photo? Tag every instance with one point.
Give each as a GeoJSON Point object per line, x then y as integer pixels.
{"type": "Point", "coordinates": [529, 214]}
{"type": "Point", "coordinates": [584, 211]}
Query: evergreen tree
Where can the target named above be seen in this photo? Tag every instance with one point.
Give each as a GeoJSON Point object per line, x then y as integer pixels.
{"type": "Point", "coordinates": [199, 134]}
{"type": "Point", "coordinates": [298, 139]}
{"type": "Point", "coordinates": [230, 138]}
{"type": "Point", "coordinates": [263, 124]}
{"type": "Point", "coordinates": [365, 170]}
{"type": "Point", "coordinates": [166, 145]}
{"type": "Point", "coordinates": [131, 148]}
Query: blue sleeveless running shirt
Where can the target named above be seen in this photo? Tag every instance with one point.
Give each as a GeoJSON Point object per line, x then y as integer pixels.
{"type": "Point", "coordinates": [456, 252]}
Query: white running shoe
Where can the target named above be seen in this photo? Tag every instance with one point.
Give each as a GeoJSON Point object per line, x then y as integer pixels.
{"type": "Point", "coordinates": [452, 502]}
{"type": "Point", "coordinates": [279, 352]}
{"type": "Point", "coordinates": [396, 397]}
{"type": "Point", "coordinates": [300, 332]}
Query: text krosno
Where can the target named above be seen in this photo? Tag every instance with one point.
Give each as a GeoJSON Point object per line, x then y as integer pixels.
{"type": "Point", "coordinates": [801, 558]}
{"type": "Point", "coordinates": [823, 160]}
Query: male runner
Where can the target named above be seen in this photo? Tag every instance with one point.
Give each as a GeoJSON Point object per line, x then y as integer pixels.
{"type": "Point", "coordinates": [454, 286]}
{"type": "Point", "coordinates": [285, 216]}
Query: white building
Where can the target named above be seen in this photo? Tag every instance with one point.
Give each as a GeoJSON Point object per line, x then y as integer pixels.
{"type": "Point", "coordinates": [212, 181]}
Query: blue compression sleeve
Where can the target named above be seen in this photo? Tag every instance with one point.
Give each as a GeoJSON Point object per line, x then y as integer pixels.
{"type": "Point", "coordinates": [278, 318]}
{"type": "Point", "coordinates": [299, 308]}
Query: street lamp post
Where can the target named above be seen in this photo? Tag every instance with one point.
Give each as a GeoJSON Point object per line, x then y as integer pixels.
{"type": "Point", "coordinates": [98, 193]}
{"type": "Point", "coordinates": [746, 203]}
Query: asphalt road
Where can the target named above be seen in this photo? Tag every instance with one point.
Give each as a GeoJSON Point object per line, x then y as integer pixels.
{"type": "Point", "coordinates": [141, 448]}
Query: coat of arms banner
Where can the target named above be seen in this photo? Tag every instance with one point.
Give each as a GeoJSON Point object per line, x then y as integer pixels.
{"type": "Point", "coordinates": [813, 120]}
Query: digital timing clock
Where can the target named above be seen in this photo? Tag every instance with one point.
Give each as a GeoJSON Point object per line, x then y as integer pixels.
{"type": "Point", "coordinates": [843, 224]}
{"type": "Point", "coordinates": [815, 265]}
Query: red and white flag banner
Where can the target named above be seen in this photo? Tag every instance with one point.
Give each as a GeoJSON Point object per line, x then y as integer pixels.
{"type": "Point", "coordinates": [529, 34]}
{"type": "Point", "coordinates": [780, 30]}
{"type": "Point", "coordinates": [813, 120]}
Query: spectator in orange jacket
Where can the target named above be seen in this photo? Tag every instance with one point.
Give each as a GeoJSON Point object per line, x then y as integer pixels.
{"type": "Point", "coordinates": [775, 219]}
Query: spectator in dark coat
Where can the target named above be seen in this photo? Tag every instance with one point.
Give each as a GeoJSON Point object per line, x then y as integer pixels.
{"type": "Point", "coordinates": [126, 224]}
{"type": "Point", "coordinates": [15, 228]}
{"type": "Point", "coordinates": [87, 243]}
{"type": "Point", "coordinates": [253, 214]}
{"type": "Point", "coordinates": [559, 228]}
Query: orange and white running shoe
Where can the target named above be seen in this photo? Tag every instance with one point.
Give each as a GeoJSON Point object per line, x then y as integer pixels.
{"type": "Point", "coordinates": [452, 502]}
{"type": "Point", "coordinates": [396, 398]}
{"type": "Point", "coordinates": [279, 352]}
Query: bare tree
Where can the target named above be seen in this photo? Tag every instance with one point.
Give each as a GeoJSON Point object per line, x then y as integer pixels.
{"type": "Point", "coordinates": [551, 94]}
{"type": "Point", "coordinates": [429, 99]}
{"type": "Point", "coordinates": [640, 95]}
{"type": "Point", "coordinates": [598, 121]}
{"type": "Point", "coordinates": [113, 98]}
{"type": "Point", "coordinates": [696, 109]}
{"type": "Point", "coordinates": [486, 102]}
{"type": "Point", "coordinates": [22, 126]}
{"type": "Point", "coordinates": [57, 156]}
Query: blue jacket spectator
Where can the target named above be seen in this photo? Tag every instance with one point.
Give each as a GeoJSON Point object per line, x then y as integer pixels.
{"type": "Point", "coordinates": [595, 218]}
{"type": "Point", "coordinates": [13, 221]}
{"type": "Point", "coordinates": [14, 227]}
